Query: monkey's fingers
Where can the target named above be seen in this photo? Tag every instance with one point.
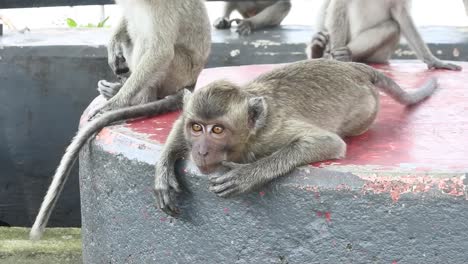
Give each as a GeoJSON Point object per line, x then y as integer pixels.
{"type": "Point", "coordinates": [231, 165]}
{"type": "Point", "coordinates": [108, 89]}
{"type": "Point", "coordinates": [237, 20]}
{"type": "Point", "coordinates": [222, 23]}
{"type": "Point", "coordinates": [447, 66]}
{"type": "Point", "coordinates": [165, 203]}
{"type": "Point", "coordinates": [222, 187]}
{"type": "Point", "coordinates": [220, 179]}
{"type": "Point", "coordinates": [321, 39]}
{"type": "Point", "coordinates": [174, 184]}
{"type": "Point", "coordinates": [94, 113]}
{"type": "Point", "coordinates": [244, 28]}
{"type": "Point", "coordinates": [233, 191]}
{"type": "Point", "coordinates": [342, 54]}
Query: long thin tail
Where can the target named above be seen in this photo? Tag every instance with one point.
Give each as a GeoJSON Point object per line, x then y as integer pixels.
{"type": "Point", "coordinates": [391, 88]}
{"type": "Point", "coordinates": [168, 104]}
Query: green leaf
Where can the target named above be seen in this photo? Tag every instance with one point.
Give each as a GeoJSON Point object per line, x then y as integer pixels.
{"type": "Point", "coordinates": [71, 23]}
{"type": "Point", "coordinates": [101, 24]}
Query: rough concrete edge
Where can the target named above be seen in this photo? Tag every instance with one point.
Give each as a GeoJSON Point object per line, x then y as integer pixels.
{"type": "Point", "coordinates": [332, 177]}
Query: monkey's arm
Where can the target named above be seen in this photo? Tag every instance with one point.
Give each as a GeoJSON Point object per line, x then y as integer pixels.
{"type": "Point", "coordinates": [322, 15]}
{"type": "Point", "coordinates": [338, 30]}
{"type": "Point", "coordinates": [401, 14]}
{"type": "Point", "coordinates": [155, 56]}
{"type": "Point", "coordinates": [166, 185]}
{"type": "Point", "coordinates": [268, 17]}
{"type": "Point", "coordinates": [223, 22]}
{"type": "Point", "coordinates": [318, 45]}
{"type": "Point", "coordinates": [314, 146]}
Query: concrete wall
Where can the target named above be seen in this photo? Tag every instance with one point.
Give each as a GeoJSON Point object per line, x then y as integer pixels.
{"type": "Point", "coordinates": [43, 91]}
{"type": "Point", "coordinates": [311, 216]}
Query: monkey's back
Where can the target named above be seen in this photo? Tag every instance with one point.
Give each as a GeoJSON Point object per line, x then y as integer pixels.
{"type": "Point", "coordinates": [325, 93]}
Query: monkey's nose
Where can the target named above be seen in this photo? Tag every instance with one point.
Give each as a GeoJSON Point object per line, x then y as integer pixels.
{"type": "Point", "coordinates": [203, 153]}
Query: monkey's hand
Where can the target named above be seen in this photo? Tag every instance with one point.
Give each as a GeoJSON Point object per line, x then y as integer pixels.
{"type": "Point", "coordinates": [165, 189]}
{"type": "Point", "coordinates": [244, 26]}
{"type": "Point", "coordinates": [108, 89]}
{"type": "Point", "coordinates": [222, 23]}
{"type": "Point", "coordinates": [438, 64]}
{"type": "Point", "coordinates": [318, 45]}
{"type": "Point", "coordinates": [234, 182]}
{"type": "Point", "coordinates": [341, 54]}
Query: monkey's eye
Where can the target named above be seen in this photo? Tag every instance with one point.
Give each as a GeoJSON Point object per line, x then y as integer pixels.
{"type": "Point", "coordinates": [217, 129]}
{"type": "Point", "coordinates": [196, 127]}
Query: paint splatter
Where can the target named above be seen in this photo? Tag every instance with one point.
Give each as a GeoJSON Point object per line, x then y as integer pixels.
{"type": "Point", "coordinates": [328, 216]}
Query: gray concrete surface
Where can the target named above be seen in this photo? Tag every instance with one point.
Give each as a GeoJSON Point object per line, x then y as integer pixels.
{"type": "Point", "coordinates": [43, 91]}
{"type": "Point", "coordinates": [49, 76]}
{"type": "Point", "coordinates": [314, 216]}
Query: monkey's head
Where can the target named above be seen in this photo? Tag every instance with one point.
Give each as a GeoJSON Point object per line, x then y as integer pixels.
{"type": "Point", "coordinates": [220, 119]}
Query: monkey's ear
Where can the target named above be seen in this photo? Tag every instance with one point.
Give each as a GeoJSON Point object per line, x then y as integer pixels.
{"type": "Point", "coordinates": [257, 112]}
{"type": "Point", "coordinates": [187, 95]}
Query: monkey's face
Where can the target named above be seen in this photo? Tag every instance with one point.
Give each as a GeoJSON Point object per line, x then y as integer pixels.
{"type": "Point", "coordinates": [210, 143]}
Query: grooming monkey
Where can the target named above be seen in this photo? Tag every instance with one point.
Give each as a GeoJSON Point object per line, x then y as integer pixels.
{"type": "Point", "coordinates": [158, 48]}
{"type": "Point", "coordinates": [256, 14]}
{"type": "Point", "coordinates": [291, 116]}
{"type": "Point", "coordinates": [368, 31]}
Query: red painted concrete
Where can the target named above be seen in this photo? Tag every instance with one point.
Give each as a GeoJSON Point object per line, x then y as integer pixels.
{"type": "Point", "coordinates": [429, 138]}
{"type": "Point", "coordinates": [433, 134]}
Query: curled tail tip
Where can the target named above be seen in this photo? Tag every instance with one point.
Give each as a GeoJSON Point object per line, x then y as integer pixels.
{"type": "Point", "coordinates": [36, 233]}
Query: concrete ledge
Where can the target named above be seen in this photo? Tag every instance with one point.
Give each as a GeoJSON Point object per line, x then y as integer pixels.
{"type": "Point", "coordinates": [59, 246]}
{"type": "Point", "coordinates": [398, 197]}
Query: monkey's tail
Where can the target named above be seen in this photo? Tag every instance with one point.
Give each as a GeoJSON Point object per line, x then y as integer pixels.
{"type": "Point", "coordinates": [168, 104]}
{"type": "Point", "coordinates": [391, 88]}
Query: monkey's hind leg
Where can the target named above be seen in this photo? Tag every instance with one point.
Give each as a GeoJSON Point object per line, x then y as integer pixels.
{"type": "Point", "coordinates": [375, 44]}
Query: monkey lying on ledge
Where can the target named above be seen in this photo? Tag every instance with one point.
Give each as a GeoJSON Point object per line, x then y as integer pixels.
{"type": "Point", "coordinates": [291, 116]}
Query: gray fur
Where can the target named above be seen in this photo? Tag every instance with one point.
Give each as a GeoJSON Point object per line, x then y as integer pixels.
{"type": "Point", "coordinates": [465, 2]}
{"type": "Point", "coordinates": [369, 31]}
{"type": "Point", "coordinates": [158, 48]}
{"type": "Point", "coordinates": [309, 107]}
{"type": "Point", "coordinates": [256, 14]}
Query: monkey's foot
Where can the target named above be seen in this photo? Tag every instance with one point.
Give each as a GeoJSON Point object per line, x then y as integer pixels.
{"type": "Point", "coordinates": [318, 44]}
{"type": "Point", "coordinates": [244, 27]}
{"type": "Point", "coordinates": [341, 54]}
{"type": "Point", "coordinates": [438, 64]}
{"type": "Point", "coordinates": [234, 182]}
{"type": "Point", "coordinates": [222, 23]}
{"type": "Point", "coordinates": [108, 106]}
{"type": "Point", "coordinates": [108, 89]}
{"type": "Point", "coordinates": [94, 113]}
